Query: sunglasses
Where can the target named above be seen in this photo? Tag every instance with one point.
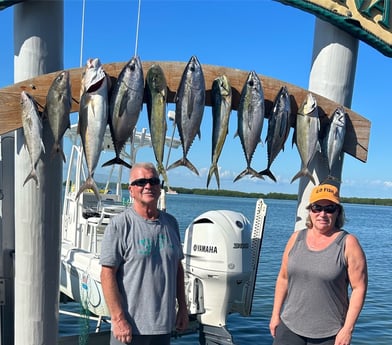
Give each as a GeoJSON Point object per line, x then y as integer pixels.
{"type": "Point", "coordinates": [315, 208]}
{"type": "Point", "coordinates": [141, 182]}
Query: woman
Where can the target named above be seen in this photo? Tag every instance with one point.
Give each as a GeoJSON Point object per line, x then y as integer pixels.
{"type": "Point", "coordinates": [318, 264]}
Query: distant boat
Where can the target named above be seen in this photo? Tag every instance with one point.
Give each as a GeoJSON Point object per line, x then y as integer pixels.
{"type": "Point", "coordinates": [171, 191]}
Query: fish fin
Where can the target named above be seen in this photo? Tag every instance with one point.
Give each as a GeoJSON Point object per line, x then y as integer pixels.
{"type": "Point", "coordinates": [58, 149]}
{"type": "Point", "coordinates": [213, 170]}
{"type": "Point", "coordinates": [42, 146]}
{"type": "Point", "coordinates": [117, 160]}
{"type": "Point", "coordinates": [268, 173]}
{"type": "Point", "coordinates": [32, 175]}
{"type": "Point", "coordinates": [304, 172]}
{"type": "Point", "coordinates": [184, 162]}
{"type": "Point", "coordinates": [89, 184]}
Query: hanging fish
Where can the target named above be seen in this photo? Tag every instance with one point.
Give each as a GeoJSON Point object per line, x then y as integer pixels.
{"type": "Point", "coordinates": [32, 130]}
{"type": "Point", "coordinates": [221, 107]}
{"type": "Point", "coordinates": [190, 101]}
{"type": "Point", "coordinates": [156, 92]}
{"type": "Point", "coordinates": [93, 118]}
{"type": "Point", "coordinates": [334, 138]}
{"type": "Point", "coordinates": [250, 120]}
{"type": "Point", "coordinates": [278, 128]}
{"type": "Point", "coordinates": [125, 105]}
{"type": "Point", "coordinates": [306, 135]}
{"type": "Point", "coordinates": [57, 110]}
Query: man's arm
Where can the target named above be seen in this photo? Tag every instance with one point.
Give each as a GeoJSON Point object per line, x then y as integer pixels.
{"type": "Point", "coordinates": [182, 313]}
{"type": "Point", "coordinates": [121, 329]}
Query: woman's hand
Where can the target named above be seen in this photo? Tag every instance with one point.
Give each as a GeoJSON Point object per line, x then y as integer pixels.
{"type": "Point", "coordinates": [275, 321]}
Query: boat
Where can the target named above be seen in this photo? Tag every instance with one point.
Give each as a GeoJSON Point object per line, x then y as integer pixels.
{"type": "Point", "coordinates": [220, 268]}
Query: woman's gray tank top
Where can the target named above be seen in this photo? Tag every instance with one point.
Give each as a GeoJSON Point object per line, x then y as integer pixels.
{"type": "Point", "coordinates": [317, 298]}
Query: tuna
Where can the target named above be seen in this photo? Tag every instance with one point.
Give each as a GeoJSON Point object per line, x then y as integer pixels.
{"type": "Point", "coordinates": [190, 102]}
{"type": "Point", "coordinates": [278, 128]}
{"type": "Point", "coordinates": [334, 138]}
{"type": "Point", "coordinates": [32, 130]}
{"type": "Point", "coordinates": [93, 118]}
{"type": "Point", "coordinates": [125, 105]}
{"type": "Point", "coordinates": [221, 107]}
{"type": "Point", "coordinates": [57, 110]}
{"type": "Point", "coordinates": [250, 120]}
{"type": "Point", "coordinates": [306, 135]}
{"type": "Point", "coordinates": [156, 92]}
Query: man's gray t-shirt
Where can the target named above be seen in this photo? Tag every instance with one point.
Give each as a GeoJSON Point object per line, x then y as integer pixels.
{"type": "Point", "coordinates": [147, 254]}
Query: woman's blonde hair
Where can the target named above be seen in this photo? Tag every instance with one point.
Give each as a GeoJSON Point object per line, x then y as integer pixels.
{"type": "Point", "coordinates": [340, 219]}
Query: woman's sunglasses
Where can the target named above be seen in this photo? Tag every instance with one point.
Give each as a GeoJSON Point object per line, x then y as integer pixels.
{"type": "Point", "coordinates": [315, 208]}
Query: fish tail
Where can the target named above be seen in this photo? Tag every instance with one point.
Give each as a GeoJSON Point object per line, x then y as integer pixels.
{"type": "Point", "coordinates": [304, 172]}
{"type": "Point", "coordinates": [213, 170]}
{"type": "Point", "coordinates": [58, 149]}
{"type": "Point", "coordinates": [249, 171]}
{"type": "Point", "coordinates": [117, 160]}
{"type": "Point", "coordinates": [254, 173]}
{"type": "Point", "coordinates": [89, 184]}
{"type": "Point", "coordinates": [32, 175]}
{"type": "Point", "coordinates": [162, 171]}
{"type": "Point", "coordinates": [268, 173]}
{"type": "Point", "coordinates": [184, 162]}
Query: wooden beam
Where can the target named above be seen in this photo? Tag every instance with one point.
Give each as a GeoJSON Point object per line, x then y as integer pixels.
{"type": "Point", "coordinates": [357, 133]}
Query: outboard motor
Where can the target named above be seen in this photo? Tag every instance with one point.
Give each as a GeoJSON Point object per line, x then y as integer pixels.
{"type": "Point", "coordinates": [221, 258]}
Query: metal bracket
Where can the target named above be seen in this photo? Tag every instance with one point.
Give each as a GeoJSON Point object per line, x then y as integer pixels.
{"type": "Point", "coordinates": [2, 291]}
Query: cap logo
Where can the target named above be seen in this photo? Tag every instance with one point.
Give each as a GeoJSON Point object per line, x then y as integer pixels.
{"type": "Point", "coordinates": [324, 189]}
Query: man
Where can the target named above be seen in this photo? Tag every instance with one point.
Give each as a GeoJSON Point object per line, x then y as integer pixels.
{"type": "Point", "coordinates": [142, 275]}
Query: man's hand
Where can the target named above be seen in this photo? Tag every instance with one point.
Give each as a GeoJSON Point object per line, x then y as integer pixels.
{"type": "Point", "coordinates": [122, 330]}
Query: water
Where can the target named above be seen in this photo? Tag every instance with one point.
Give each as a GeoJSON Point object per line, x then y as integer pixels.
{"type": "Point", "coordinates": [371, 225]}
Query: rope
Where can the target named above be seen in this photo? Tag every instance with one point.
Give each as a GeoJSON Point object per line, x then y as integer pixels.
{"type": "Point", "coordinates": [82, 34]}
{"type": "Point", "coordinates": [137, 27]}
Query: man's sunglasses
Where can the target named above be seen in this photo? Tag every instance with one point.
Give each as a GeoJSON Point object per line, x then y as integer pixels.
{"type": "Point", "coordinates": [315, 208]}
{"type": "Point", "coordinates": [141, 182]}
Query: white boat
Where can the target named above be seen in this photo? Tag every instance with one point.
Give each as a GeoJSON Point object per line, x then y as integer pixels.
{"type": "Point", "coordinates": [220, 268]}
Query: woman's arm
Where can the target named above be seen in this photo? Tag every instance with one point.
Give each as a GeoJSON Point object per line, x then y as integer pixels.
{"type": "Point", "coordinates": [358, 277]}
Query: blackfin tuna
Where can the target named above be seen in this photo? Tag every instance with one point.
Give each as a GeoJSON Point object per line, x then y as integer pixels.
{"type": "Point", "coordinates": [190, 102]}
{"type": "Point", "coordinates": [250, 120]}
{"type": "Point", "coordinates": [126, 102]}
{"type": "Point", "coordinates": [278, 128]}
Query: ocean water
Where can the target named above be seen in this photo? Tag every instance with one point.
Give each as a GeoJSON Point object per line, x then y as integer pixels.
{"type": "Point", "coordinates": [372, 226]}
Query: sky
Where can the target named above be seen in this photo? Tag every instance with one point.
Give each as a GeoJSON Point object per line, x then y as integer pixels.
{"type": "Point", "coordinates": [266, 36]}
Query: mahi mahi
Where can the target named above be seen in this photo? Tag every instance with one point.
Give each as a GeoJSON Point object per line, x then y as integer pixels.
{"type": "Point", "coordinates": [221, 95]}
{"type": "Point", "coordinates": [306, 135]}
{"type": "Point", "coordinates": [125, 105]}
{"type": "Point", "coordinates": [156, 92]}
{"type": "Point", "coordinates": [57, 110]}
{"type": "Point", "coordinates": [93, 118]}
{"type": "Point", "coordinates": [250, 120]}
{"type": "Point", "coordinates": [278, 128]}
{"type": "Point", "coordinates": [190, 102]}
{"type": "Point", "coordinates": [334, 138]}
{"type": "Point", "coordinates": [32, 130]}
